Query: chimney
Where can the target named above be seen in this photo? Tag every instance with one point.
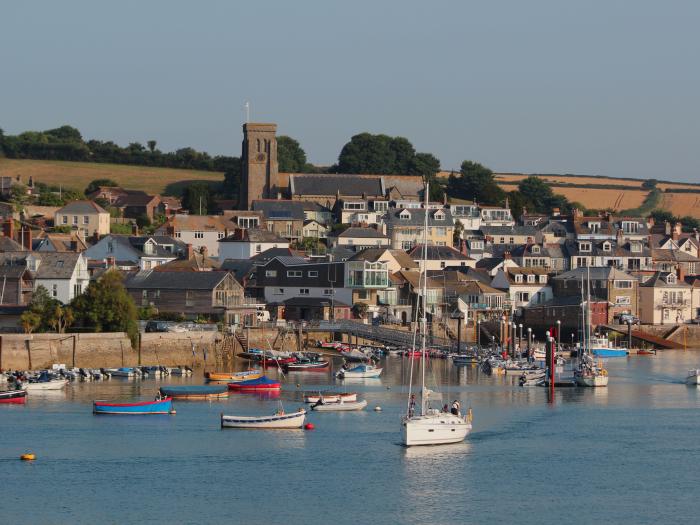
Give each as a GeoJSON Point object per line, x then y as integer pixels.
{"type": "Point", "coordinates": [190, 252]}
{"type": "Point", "coordinates": [8, 228]}
{"type": "Point", "coordinates": [576, 213]}
{"type": "Point", "coordinates": [26, 238]}
{"type": "Point", "coordinates": [506, 256]}
{"type": "Point", "coordinates": [463, 247]}
{"type": "Point", "coordinates": [696, 235]}
{"type": "Point", "coordinates": [650, 222]}
{"type": "Point", "coordinates": [444, 198]}
{"type": "Point", "coordinates": [619, 236]}
{"type": "Point", "coordinates": [667, 228]}
{"type": "Point", "coordinates": [279, 195]}
{"type": "Point", "coordinates": [111, 262]}
{"type": "Point", "coordinates": [677, 229]}
{"type": "Point", "coordinates": [556, 212]}
{"type": "Point", "coordinates": [681, 273]}
{"type": "Point", "coordinates": [134, 229]}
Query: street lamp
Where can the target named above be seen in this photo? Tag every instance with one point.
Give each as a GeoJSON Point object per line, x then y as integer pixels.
{"type": "Point", "coordinates": [558, 335]}
{"type": "Point", "coordinates": [478, 333]}
{"type": "Point", "coordinates": [529, 339]}
{"type": "Point", "coordinates": [513, 333]}
{"type": "Point", "coordinates": [520, 339]}
{"type": "Point", "coordinates": [493, 343]}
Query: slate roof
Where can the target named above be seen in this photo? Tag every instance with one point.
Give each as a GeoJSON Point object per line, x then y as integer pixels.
{"type": "Point", "coordinates": [254, 235]}
{"type": "Point", "coordinates": [418, 217]}
{"type": "Point", "coordinates": [10, 245]}
{"type": "Point", "coordinates": [332, 184]}
{"type": "Point", "coordinates": [13, 264]}
{"type": "Point", "coordinates": [438, 253]}
{"type": "Point", "coordinates": [672, 256]}
{"type": "Point", "coordinates": [505, 231]}
{"type": "Point", "coordinates": [82, 207]}
{"type": "Point", "coordinates": [280, 210]}
{"type": "Point", "coordinates": [373, 254]}
{"type": "Point", "coordinates": [616, 250]}
{"type": "Point", "coordinates": [658, 280]}
{"type": "Point", "coordinates": [361, 233]}
{"type": "Point", "coordinates": [197, 263]}
{"type": "Point", "coordinates": [59, 242]}
{"type": "Point", "coordinates": [137, 244]}
{"type": "Point", "coordinates": [150, 279]}
{"type": "Point", "coordinates": [198, 223]}
{"type": "Point", "coordinates": [598, 273]}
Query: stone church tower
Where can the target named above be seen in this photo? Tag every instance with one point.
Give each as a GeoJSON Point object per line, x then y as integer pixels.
{"type": "Point", "coordinates": [259, 163]}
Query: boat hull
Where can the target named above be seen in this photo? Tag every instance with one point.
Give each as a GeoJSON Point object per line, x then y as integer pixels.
{"type": "Point", "coordinates": [592, 380]}
{"type": "Point", "coordinates": [340, 406]}
{"type": "Point", "coordinates": [609, 352]}
{"type": "Point", "coordinates": [439, 429]}
{"type": "Point", "coordinates": [13, 396]}
{"type": "Point", "coordinates": [693, 378]}
{"type": "Point", "coordinates": [54, 384]}
{"type": "Point", "coordinates": [232, 377]}
{"type": "Point", "coordinates": [276, 421]}
{"type": "Point", "coordinates": [330, 398]}
{"type": "Point", "coordinates": [261, 384]}
{"type": "Point", "coordinates": [308, 367]}
{"type": "Point", "coordinates": [163, 406]}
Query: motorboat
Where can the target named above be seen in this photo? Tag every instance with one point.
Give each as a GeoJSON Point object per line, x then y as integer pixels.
{"type": "Point", "coordinates": [159, 406]}
{"type": "Point", "coordinates": [307, 366]}
{"type": "Point", "coordinates": [339, 406]}
{"type": "Point", "coordinates": [278, 420]}
{"type": "Point", "coordinates": [45, 381]}
{"type": "Point", "coordinates": [360, 371]}
{"type": "Point", "coordinates": [602, 347]}
{"type": "Point", "coordinates": [125, 372]}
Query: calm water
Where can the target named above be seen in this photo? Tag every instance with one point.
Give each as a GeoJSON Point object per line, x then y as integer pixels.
{"type": "Point", "coordinates": [625, 454]}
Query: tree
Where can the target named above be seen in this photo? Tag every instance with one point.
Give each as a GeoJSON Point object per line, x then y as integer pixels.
{"type": "Point", "coordinates": [61, 318]}
{"type": "Point", "coordinates": [360, 310]}
{"type": "Point", "coordinates": [290, 156]}
{"type": "Point", "coordinates": [106, 306]}
{"type": "Point", "coordinates": [95, 184]}
{"type": "Point", "coordinates": [649, 184]}
{"type": "Point", "coordinates": [142, 221]}
{"type": "Point", "coordinates": [151, 145]}
{"type": "Point", "coordinates": [367, 153]}
{"type": "Point", "coordinates": [538, 192]}
{"type": "Point", "coordinates": [43, 306]}
{"type": "Point", "coordinates": [30, 321]}
{"type": "Point", "coordinates": [425, 165]}
{"type": "Point", "coordinates": [198, 198]}
{"type": "Point", "coordinates": [457, 235]}
{"type": "Point", "coordinates": [475, 182]}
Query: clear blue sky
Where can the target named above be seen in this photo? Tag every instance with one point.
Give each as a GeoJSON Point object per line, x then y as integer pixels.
{"type": "Point", "coordinates": [599, 87]}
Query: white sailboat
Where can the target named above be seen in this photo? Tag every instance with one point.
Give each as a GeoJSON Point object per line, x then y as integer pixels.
{"type": "Point", "coordinates": [587, 373]}
{"type": "Point", "coordinates": [430, 426]}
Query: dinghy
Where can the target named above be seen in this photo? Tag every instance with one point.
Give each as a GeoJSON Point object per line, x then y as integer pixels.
{"type": "Point", "coordinates": [261, 384]}
{"type": "Point", "coordinates": [278, 420]}
{"type": "Point", "coordinates": [340, 406]}
{"type": "Point", "coordinates": [233, 377]}
{"type": "Point", "coordinates": [310, 366]}
{"type": "Point", "coordinates": [194, 391]}
{"type": "Point", "coordinates": [330, 397]}
{"type": "Point", "coordinates": [362, 371]}
{"type": "Point", "coordinates": [13, 396]}
{"type": "Point", "coordinates": [693, 377]}
{"type": "Point", "coordinates": [159, 406]}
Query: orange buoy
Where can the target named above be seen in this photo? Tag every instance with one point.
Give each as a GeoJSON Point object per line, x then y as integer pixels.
{"type": "Point", "coordinates": [309, 426]}
{"type": "Point", "coordinates": [28, 457]}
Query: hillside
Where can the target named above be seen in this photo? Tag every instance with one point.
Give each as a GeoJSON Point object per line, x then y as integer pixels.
{"type": "Point", "coordinates": [77, 175]}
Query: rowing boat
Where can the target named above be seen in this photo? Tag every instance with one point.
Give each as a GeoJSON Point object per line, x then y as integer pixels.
{"type": "Point", "coordinates": [277, 420]}
{"type": "Point", "coordinates": [340, 406]}
{"type": "Point", "coordinates": [195, 391]}
{"type": "Point", "coordinates": [233, 377]}
{"type": "Point", "coordinates": [330, 397]}
{"type": "Point", "coordinates": [159, 406]}
{"type": "Point", "coordinates": [13, 396]}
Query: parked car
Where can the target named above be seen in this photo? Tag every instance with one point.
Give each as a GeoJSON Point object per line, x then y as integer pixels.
{"type": "Point", "coordinates": [157, 326]}
{"type": "Point", "coordinates": [628, 318]}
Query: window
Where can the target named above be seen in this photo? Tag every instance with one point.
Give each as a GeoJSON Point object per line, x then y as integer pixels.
{"type": "Point", "coordinates": [671, 279]}
{"type": "Point", "coordinates": [502, 240]}
{"type": "Point", "coordinates": [328, 291]}
{"type": "Point", "coordinates": [64, 220]}
{"type": "Point", "coordinates": [381, 205]}
{"type": "Point", "coordinates": [511, 240]}
{"type": "Point", "coordinates": [404, 215]}
{"type": "Point", "coordinates": [622, 299]}
{"type": "Point", "coordinates": [303, 291]}
{"type": "Point", "coordinates": [77, 290]}
{"type": "Point", "coordinates": [518, 278]}
{"type": "Point", "coordinates": [581, 262]}
{"type": "Point", "coordinates": [270, 273]}
{"type": "Point", "coordinates": [199, 235]}
{"type": "Point", "coordinates": [294, 273]}
{"type": "Point", "coordinates": [289, 229]}
{"type": "Point", "coordinates": [439, 216]}
{"type": "Point", "coordinates": [441, 231]}
{"type": "Point", "coordinates": [189, 298]}
{"type": "Point", "coordinates": [442, 264]}
{"type": "Point", "coordinates": [531, 278]}
{"type": "Point", "coordinates": [258, 248]}
{"type": "Point", "coordinates": [362, 294]}
{"type": "Point", "coordinates": [606, 246]}
{"type": "Point", "coordinates": [75, 220]}
{"type": "Point", "coordinates": [523, 296]}
{"type": "Point", "coordinates": [406, 245]}
{"type": "Point", "coordinates": [543, 279]}
{"type": "Point", "coordinates": [247, 222]}
{"type": "Point", "coordinates": [178, 235]}
{"type": "Point", "coordinates": [86, 219]}
{"type": "Point", "coordinates": [354, 206]}
{"type": "Point", "coordinates": [584, 246]}
{"type": "Point", "coordinates": [630, 227]}
{"type": "Point", "coordinates": [220, 235]}
{"type": "Point", "coordinates": [594, 227]}
{"type": "Point", "coordinates": [621, 285]}
{"type": "Point", "coordinates": [535, 249]}
{"type": "Point", "coordinates": [312, 273]}
{"type": "Point", "coordinates": [441, 243]}
{"type": "Point", "coordinates": [54, 290]}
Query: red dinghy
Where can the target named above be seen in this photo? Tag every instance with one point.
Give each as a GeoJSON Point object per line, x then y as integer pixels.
{"type": "Point", "coordinates": [261, 384]}
{"type": "Point", "coordinates": [275, 362]}
{"type": "Point", "coordinates": [13, 396]}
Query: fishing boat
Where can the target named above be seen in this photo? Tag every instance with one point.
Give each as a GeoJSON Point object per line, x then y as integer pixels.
{"type": "Point", "coordinates": [693, 377]}
{"type": "Point", "coordinates": [195, 391]}
{"type": "Point", "coordinates": [308, 366]}
{"type": "Point", "coordinates": [429, 426]}
{"type": "Point", "coordinates": [140, 408]}
{"type": "Point", "coordinates": [232, 377]}
{"type": "Point", "coordinates": [602, 347]}
{"type": "Point", "coordinates": [360, 371]}
{"type": "Point", "coordinates": [339, 406]}
{"type": "Point", "coordinates": [330, 397]}
{"type": "Point", "coordinates": [45, 382]}
{"type": "Point", "coordinates": [13, 396]}
{"type": "Point", "coordinates": [279, 419]}
{"type": "Point", "coordinates": [261, 384]}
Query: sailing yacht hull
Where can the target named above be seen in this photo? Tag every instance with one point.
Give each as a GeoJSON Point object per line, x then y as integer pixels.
{"type": "Point", "coordinates": [438, 429]}
{"type": "Point", "coordinates": [592, 380]}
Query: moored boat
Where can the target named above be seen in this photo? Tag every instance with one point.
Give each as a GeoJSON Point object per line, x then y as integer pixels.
{"type": "Point", "coordinates": [339, 406]}
{"type": "Point", "coordinates": [45, 381]}
{"type": "Point", "coordinates": [307, 366]}
{"type": "Point", "coordinates": [195, 391]}
{"type": "Point", "coordinates": [159, 406]}
{"type": "Point", "coordinates": [602, 347]}
{"type": "Point", "coordinates": [260, 384]}
{"type": "Point", "coordinates": [275, 421]}
{"type": "Point", "coordinates": [362, 371]}
{"type": "Point", "coordinates": [13, 396]}
{"type": "Point", "coordinates": [693, 377]}
{"type": "Point", "coordinates": [330, 397]}
{"type": "Point", "coordinates": [233, 377]}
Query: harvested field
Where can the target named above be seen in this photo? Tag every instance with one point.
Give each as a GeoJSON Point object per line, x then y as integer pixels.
{"type": "Point", "coordinates": [515, 177]}
{"type": "Point", "coordinates": [77, 175]}
{"type": "Point", "coordinates": [597, 198]}
{"type": "Point", "coordinates": [682, 204]}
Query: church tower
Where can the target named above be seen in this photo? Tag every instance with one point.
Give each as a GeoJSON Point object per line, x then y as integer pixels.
{"type": "Point", "coordinates": [259, 163]}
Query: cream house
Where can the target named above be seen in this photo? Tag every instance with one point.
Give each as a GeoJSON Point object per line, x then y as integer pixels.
{"type": "Point", "coordinates": [663, 299]}
{"type": "Point", "coordinates": [85, 217]}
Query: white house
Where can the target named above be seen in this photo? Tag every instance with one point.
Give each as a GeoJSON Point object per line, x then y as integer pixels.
{"type": "Point", "coordinates": [64, 274]}
{"type": "Point", "coordinates": [244, 244]}
{"type": "Point", "coordinates": [525, 286]}
{"type": "Point", "coordinates": [131, 252]}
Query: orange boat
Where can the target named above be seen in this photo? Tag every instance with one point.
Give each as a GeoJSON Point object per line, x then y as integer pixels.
{"type": "Point", "coordinates": [233, 377]}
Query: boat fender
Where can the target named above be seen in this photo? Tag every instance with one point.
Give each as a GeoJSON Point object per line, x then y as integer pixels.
{"type": "Point", "coordinates": [309, 426]}
{"type": "Point", "coordinates": [377, 408]}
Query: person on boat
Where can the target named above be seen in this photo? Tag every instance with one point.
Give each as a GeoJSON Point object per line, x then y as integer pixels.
{"type": "Point", "coordinates": [319, 402]}
{"type": "Point", "coordinates": [445, 408]}
{"type": "Point", "coordinates": [412, 406]}
{"type": "Point", "coordinates": [455, 408]}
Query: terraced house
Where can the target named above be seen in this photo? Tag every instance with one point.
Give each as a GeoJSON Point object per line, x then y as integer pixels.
{"type": "Point", "coordinates": [404, 227]}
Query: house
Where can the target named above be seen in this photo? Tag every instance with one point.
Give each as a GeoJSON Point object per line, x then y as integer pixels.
{"type": "Point", "coordinates": [366, 279]}
{"type": "Point", "coordinates": [201, 231]}
{"type": "Point", "coordinates": [617, 288]}
{"type": "Point", "coordinates": [313, 211]}
{"type": "Point", "coordinates": [135, 204]}
{"type": "Point", "coordinates": [531, 256]}
{"type": "Point", "coordinates": [171, 205]}
{"type": "Point", "coordinates": [315, 230]}
{"type": "Point", "coordinates": [285, 218]}
{"type": "Point", "coordinates": [412, 285]}
{"type": "Point", "coordinates": [557, 231]}
{"type": "Point", "coordinates": [356, 238]}
{"type": "Point", "coordinates": [665, 299]}
{"type": "Point", "coordinates": [213, 294]}
{"type": "Point", "coordinates": [85, 217]}
{"type": "Point", "coordinates": [191, 262]}
{"type": "Point", "coordinates": [525, 286]}
{"type": "Point", "coordinates": [440, 257]}
{"type": "Point", "coordinates": [244, 244]}
{"type": "Point", "coordinates": [481, 301]}
{"type": "Point", "coordinates": [496, 216]}
{"type": "Point", "coordinates": [396, 260]}
{"type": "Point", "coordinates": [142, 252]}
{"type": "Point", "coordinates": [511, 235]}
{"type": "Point", "coordinates": [624, 255]}
{"type": "Point", "coordinates": [360, 211]}
{"type": "Point", "coordinates": [18, 281]}
{"type": "Point", "coordinates": [468, 215]}
{"type": "Point", "coordinates": [405, 227]}
{"type": "Point", "coordinates": [678, 261]}
{"type": "Point", "coordinates": [246, 219]}
{"type": "Point", "coordinates": [492, 265]}
{"type": "Point", "coordinates": [59, 242]}
{"type": "Point", "coordinates": [564, 313]}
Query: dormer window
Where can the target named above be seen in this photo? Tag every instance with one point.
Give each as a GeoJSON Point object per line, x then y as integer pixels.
{"type": "Point", "coordinates": [404, 215]}
{"type": "Point", "coordinates": [535, 249]}
{"type": "Point", "coordinates": [594, 227]}
{"type": "Point", "coordinates": [531, 278]}
{"type": "Point", "coordinates": [518, 278]}
{"type": "Point", "coordinates": [671, 278]}
{"type": "Point", "coordinates": [630, 227]}
{"type": "Point", "coordinates": [543, 279]}
{"type": "Point", "coordinates": [636, 247]}
{"type": "Point", "coordinates": [584, 246]}
{"type": "Point", "coordinates": [606, 246]}
{"type": "Point", "coordinates": [439, 215]}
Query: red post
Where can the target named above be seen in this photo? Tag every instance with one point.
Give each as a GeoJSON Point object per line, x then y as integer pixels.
{"type": "Point", "coordinates": [552, 361]}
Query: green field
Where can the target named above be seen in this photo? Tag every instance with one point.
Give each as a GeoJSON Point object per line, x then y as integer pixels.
{"type": "Point", "coordinates": [77, 175]}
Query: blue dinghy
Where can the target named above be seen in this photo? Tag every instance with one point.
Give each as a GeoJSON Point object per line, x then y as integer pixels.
{"type": "Point", "coordinates": [159, 406]}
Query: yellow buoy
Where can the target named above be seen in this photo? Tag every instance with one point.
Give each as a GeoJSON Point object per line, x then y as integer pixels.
{"type": "Point", "coordinates": [28, 457]}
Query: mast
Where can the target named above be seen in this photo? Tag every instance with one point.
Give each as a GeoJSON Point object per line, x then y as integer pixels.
{"type": "Point", "coordinates": [588, 304]}
{"type": "Point", "coordinates": [424, 293]}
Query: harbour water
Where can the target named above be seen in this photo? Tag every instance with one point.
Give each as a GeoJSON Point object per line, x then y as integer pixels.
{"type": "Point", "coordinates": [625, 454]}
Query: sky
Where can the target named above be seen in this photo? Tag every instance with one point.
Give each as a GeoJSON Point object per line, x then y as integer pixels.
{"type": "Point", "coordinates": [591, 87]}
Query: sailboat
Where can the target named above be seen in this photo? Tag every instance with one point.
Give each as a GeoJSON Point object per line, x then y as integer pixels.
{"type": "Point", "coordinates": [430, 426]}
{"type": "Point", "coordinates": [587, 373]}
